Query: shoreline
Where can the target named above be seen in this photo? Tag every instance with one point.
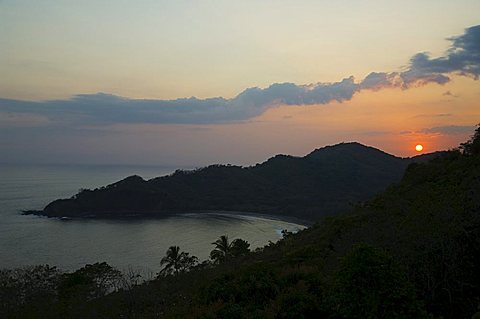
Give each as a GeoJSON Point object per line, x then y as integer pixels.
{"type": "Point", "coordinates": [169, 214]}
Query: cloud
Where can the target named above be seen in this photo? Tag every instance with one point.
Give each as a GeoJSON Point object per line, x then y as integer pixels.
{"type": "Point", "coordinates": [462, 58]}
{"type": "Point", "coordinates": [434, 115]}
{"type": "Point", "coordinates": [448, 93]}
{"type": "Point", "coordinates": [448, 130]}
{"type": "Point", "coordinates": [101, 108]}
{"type": "Point", "coordinates": [378, 80]}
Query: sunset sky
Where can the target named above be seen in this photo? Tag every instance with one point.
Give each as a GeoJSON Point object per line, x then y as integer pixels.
{"type": "Point", "coordinates": [190, 83]}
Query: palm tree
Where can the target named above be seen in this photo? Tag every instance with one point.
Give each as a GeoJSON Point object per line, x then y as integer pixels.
{"type": "Point", "coordinates": [222, 249]}
{"type": "Point", "coordinates": [176, 261]}
{"type": "Point", "coordinates": [171, 261]}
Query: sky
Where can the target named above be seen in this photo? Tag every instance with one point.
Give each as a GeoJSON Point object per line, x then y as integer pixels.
{"type": "Point", "coordinates": [191, 83]}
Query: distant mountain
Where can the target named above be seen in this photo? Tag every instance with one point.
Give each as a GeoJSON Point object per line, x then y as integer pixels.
{"type": "Point", "coordinates": [324, 182]}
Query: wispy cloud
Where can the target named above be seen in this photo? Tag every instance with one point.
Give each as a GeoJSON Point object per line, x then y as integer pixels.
{"type": "Point", "coordinates": [433, 115]}
{"type": "Point", "coordinates": [450, 94]}
{"type": "Point", "coordinates": [449, 129]}
{"type": "Point", "coordinates": [462, 58]}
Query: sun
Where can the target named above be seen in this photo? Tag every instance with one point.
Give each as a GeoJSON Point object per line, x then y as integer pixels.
{"type": "Point", "coordinates": [419, 147]}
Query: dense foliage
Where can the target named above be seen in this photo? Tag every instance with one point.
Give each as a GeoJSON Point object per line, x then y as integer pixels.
{"type": "Point", "coordinates": [176, 262]}
{"type": "Point", "coordinates": [326, 181]}
{"type": "Point", "coordinates": [411, 252]}
{"type": "Point", "coordinates": [472, 147]}
{"type": "Point", "coordinates": [225, 250]}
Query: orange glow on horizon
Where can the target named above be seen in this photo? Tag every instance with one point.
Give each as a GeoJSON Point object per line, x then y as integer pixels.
{"type": "Point", "coordinates": [392, 120]}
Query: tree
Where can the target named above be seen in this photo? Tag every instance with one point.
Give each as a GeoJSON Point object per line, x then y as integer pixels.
{"type": "Point", "coordinates": [472, 147]}
{"type": "Point", "coordinates": [240, 247]}
{"type": "Point", "coordinates": [221, 252]}
{"type": "Point", "coordinates": [29, 290]}
{"type": "Point", "coordinates": [175, 261]}
{"type": "Point", "coordinates": [224, 250]}
{"type": "Point", "coordinates": [91, 281]}
{"type": "Point", "coordinates": [78, 289]}
{"type": "Point", "coordinates": [187, 262]}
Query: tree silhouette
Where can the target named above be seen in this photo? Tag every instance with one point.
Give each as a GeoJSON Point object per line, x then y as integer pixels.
{"type": "Point", "coordinates": [187, 262]}
{"type": "Point", "coordinates": [224, 250]}
{"type": "Point", "coordinates": [472, 147]}
{"type": "Point", "coordinates": [91, 281]}
{"type": "Point", "coordinates": [240, 247]}
{"type": "Point", "coordinates": [176, 261]}
{"type": "Point", "coordinates": [221, 252]}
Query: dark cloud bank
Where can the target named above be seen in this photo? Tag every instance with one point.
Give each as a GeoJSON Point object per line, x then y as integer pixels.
{"type": "Point", "coordinates": [462, 58]}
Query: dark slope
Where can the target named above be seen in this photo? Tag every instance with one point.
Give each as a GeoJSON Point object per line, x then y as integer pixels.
{"type": "Point", "coordinates": [412, 250]}
{"type": "Point", "coordinates": [324, 182]}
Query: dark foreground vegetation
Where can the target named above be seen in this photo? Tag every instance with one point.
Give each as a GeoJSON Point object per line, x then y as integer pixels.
{"type": "Point", "coordinates": [411, 252]}
{"type": "Point", "coordinates": [325, 182]}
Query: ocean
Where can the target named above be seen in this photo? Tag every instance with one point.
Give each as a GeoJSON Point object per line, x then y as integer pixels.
{"type": "Point", "coordinates": [125, 244]}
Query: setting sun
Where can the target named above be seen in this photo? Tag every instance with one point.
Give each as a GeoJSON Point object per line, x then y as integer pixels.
{"type": "Point", "coordinates": [419, 147]}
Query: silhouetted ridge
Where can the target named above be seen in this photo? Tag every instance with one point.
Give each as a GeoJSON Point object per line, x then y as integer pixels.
{"type": "Point", "coordinates": [130, 179]}
{"type": "Point", "coordinates": [354, 149]}
{"type": "Point", "coordinates": [325, 182]}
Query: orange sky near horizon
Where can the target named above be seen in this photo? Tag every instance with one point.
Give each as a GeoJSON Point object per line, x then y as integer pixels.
{"type": "Point", "coordinates": [91, 54]}
{"type": "Point", "coordinates": [393, 119]}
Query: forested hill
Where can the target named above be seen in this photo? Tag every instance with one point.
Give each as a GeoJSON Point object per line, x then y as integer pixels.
{"type": "Point", "coordinates": [327, 181]}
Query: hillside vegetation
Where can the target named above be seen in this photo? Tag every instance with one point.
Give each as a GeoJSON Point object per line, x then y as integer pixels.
{"type": "Point", "coordinates": [412, 251]}
{"type": "Point", "coordinates": [325, 182]}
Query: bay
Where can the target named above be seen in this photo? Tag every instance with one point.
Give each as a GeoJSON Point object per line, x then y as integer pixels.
{"type": "Point", "coordinates": [137, 244]}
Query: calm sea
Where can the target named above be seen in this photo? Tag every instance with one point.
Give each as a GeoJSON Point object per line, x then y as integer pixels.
{"type": "Point", "coordinates": [138, 244]}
